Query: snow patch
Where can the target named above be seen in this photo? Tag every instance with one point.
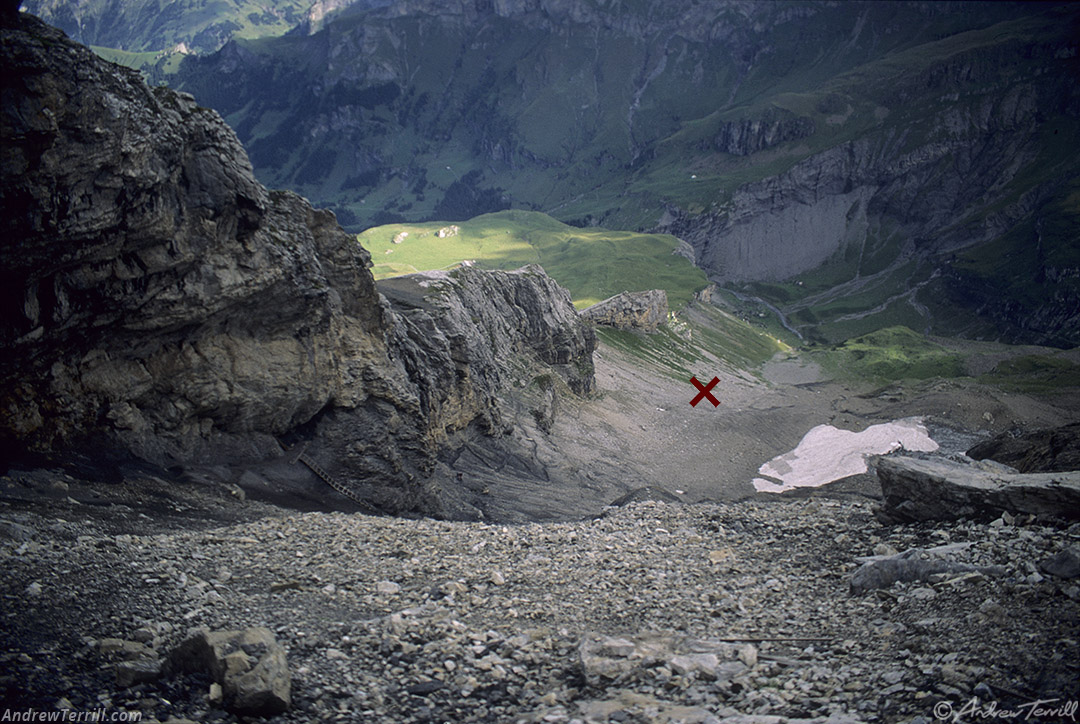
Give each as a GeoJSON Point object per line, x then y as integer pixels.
{"type": "Point", "coordinates": [827, 453]}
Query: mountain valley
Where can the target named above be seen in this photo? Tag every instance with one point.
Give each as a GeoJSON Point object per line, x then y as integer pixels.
{"type": "Point", "coordinates": [468, 464]}
{"type": "Point", "coordinates": [858, 165]}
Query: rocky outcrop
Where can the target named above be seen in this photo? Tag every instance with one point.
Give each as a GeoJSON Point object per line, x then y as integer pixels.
{"type": "Point", "coordinates": [158, 300]}
{"type": "Point", "coordinates": [1039, 451]}
{"type": "Point", "coordinates": [912, 565]}
{"type": "Point", "coordinates": [917, 489]}
{"type": "Point", "coordinates": [249, 668]}
{"type": "Point", "coordinates": [633, 311]}
{"type": "Point", "coordinates": [749, 135]}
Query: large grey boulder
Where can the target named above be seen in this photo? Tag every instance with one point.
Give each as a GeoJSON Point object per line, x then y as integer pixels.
{"type": "Point", "coordinates": [633, 311]}
{"type": "Point", "coordinates": [939, 489]}
{"type": "Point", "coordinates": [915, 564]}
{"type": "Point", "coordinates": [250, 666]}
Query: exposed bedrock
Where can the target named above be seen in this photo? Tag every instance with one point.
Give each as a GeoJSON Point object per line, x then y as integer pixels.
{"type": "Point", "coordinates": [157, 300]}
{"type": "Point", "coordinates": [633, 311]}
{"type": "Point", "coordinates": [938, 489]}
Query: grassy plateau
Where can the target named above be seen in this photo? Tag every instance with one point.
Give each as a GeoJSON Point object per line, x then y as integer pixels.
{"type": "Point", "coordinates": [592, 263]}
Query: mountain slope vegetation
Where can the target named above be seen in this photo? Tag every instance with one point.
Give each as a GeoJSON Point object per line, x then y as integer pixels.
{"type": "Point", "coordinates": [198, 26]}
{"type": "Point", "coordinates": [863, 164]}
{"type": "Point", "coordinates": [592, 264]}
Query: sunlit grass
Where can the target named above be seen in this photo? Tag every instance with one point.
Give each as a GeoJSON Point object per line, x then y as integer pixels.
{"type": "Point", "coordinates": [592, 263]}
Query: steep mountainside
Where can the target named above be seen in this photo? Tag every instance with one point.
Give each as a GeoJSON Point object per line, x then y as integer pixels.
{"type": "Point", "coordinates": [158, 301]}
{"type": "Point", "coordinates": [198, 25]}
{"type": "Point", "coordinates": [919, 151]}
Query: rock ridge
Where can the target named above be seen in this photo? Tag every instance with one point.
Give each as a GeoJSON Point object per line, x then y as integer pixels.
{"type": "Point", "coordinates": [641, 311]}
{"type": "Point", "coordinates": [160, 302]}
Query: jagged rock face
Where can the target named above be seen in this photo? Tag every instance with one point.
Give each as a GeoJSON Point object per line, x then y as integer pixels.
{"type": "Point", "coordinates": [965, 197]}
{"type": "Point", "coordinates": [794, 221]}
{"type": "Point", "coordinates": [149, 278]}
{"type": "Point", "coordinates": [750, 135]}
{"type": "Point", "coordinates": [158, 300]}
{"type": "Point", "coordinates": [1038, 451]}
{"type": "Point", "coordinates": [633, 311]}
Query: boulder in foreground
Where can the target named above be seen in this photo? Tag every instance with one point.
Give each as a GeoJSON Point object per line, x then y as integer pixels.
{"type": "Point", "coordinates": [917, 489]}
{"type": "Point", "coordinates": [250, 667]}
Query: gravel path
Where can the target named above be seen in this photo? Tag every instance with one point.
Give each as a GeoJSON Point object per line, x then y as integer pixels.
{"type": "Point", "coordinates": [393, 620]}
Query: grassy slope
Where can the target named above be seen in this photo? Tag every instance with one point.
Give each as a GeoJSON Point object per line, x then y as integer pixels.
{"type": "Point", "coordinates": [1007, 264]}
{"type": "Point", "coordinates": [898, 353]}
{"type": "Point", "coordinates": [559, 104]}
{"type": "Point", "coordinates": [894, 353]}
{"type": "Point", "coordinates": [592, 263]}
{"type": "Point", "coordinates": [702, 338]}
{"type": "Point", "coordinates": [147, 26]}
{"type": "Point", "coordinates": [151, 62]}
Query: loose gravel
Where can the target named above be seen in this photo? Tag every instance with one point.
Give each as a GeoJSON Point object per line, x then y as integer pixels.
{"type": "Point", "coordinates": [394, 620]}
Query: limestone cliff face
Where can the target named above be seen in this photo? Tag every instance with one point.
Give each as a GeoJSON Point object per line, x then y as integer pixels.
{"type": "Point", "coordinates": [633, 311]}
{"type": "Point", "coordinates": [982, 172]}
{"type": "Point", "coordinates": [750, 135]}
{"type": "Point", "coordinates": [157, 299]}
{"type": "Point", "coordinates": [793, 221]}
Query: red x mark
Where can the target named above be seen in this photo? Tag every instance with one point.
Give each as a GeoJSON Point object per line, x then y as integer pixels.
{"type": "Point", "coordinates": [705, 392]}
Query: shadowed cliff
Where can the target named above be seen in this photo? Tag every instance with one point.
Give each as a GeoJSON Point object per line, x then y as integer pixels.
{"type": "Point", "coordinates": [159, 302]}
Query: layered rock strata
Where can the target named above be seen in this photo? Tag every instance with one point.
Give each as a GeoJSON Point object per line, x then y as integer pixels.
{"type": "Point", "coordinates": [157, 300]}
{"type": "Point", "coordinates": [938, 489]}
{"type": "Point", "coordinates": [633, 311]}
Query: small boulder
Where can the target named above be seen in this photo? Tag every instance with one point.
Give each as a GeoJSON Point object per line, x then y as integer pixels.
{"type": "Point", "coordinates": [1064, 564]}
{"type": "Point", "coordinates": [648, 493]}
{"type": "Point", "coordinates": [137, 663]}
{"type": "Point", "coordinates": [138, 671]}
{"type": "Point", "coordinates": [624, 659]}
{"type": "Point", "coordinates": [250, 666]}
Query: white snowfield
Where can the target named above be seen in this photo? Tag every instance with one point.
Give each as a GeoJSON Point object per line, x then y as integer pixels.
{"type": "Point", "coordinates": [827, 453]}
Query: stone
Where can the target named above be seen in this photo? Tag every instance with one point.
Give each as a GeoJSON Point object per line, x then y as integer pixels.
{"type": "Point", "coordinates": [631, 311]}
{"type": "Point", "coordinates": [606, 659]}
{"type": "Point", "coordinates": [387, 588]}
{"type": "Point", "coordinates": [138, 671]}
{"type": "Point", "coordinates": [653, 493]}
{"type": "Point", "coordinates": [250, 666]}
{"type": "Point", "coordinates": [916, 489]}
{"type": "Point", "coordinates": [1063, 564]}
{"type": "Point", "coordinates": [130, 650]}
{"type": "Point", "coordinates": [706, 664]}
{"type": "Point", "coordinates": [893, 676]}
{"type": "Point", "coordinates": [15, 531]}
{"type": "Point", "coordinates": [912, 565]}
{"type": "Point", "coordinates": [1039, 451]}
